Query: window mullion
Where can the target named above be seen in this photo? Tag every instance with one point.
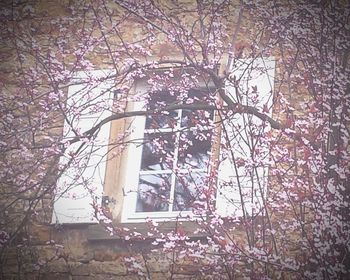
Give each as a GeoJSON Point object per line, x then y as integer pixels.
{"type": "Point", "coordinates": [176, 155]}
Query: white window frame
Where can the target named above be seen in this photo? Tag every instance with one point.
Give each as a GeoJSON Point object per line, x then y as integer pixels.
{"type": "Point", "coordinates": [133, 172]}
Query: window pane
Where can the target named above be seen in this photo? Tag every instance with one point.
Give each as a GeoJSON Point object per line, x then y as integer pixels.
{"type": "Point", "coordinates": [158, 151]}
{"type": "Point", "coordinates": [197, 118]}
{"type": "Point", "coordinates": [162, 121]}
{"type": "Point", "coordinates": [191, 118]}
{"type": "Point", "coordinates": [159, 100]}
{"type": "Point", "coordinates": [187, 190]}
{"type": "Point", "coordinates": [203, 94]}
{"type": "Point", "coordinates": [194, 149]}
{"type": "Point", "coordinates": [153, 193]}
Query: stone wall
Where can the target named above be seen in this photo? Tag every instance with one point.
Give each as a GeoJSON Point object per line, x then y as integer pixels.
{"type": "Point", "coordinates": [41, 250]}
{"type": "Point", "coordinates": [38, 249]}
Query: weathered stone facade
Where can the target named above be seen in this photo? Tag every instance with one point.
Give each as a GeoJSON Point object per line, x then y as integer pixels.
{"type": "Point", "coordinates": [43, 250]}
{"type": "Point", "coordinates": [57, 32]}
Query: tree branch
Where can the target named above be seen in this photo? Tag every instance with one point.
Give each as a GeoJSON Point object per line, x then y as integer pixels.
{"type": "Point", "coordinates": [234, 107]}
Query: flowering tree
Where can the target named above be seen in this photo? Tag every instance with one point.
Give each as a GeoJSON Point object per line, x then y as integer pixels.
{"type": "Point", "coordinates": [285, 154]}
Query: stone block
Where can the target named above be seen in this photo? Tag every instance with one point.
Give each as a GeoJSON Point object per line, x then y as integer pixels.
{"type": "Point", "coordinates": [158, 263]}
{"type": "Point", "coordinates": [57, 266]}
{"type": "Point", "coordinates": [105, 255]}
{"type": "Point", "coordinates": [95, 267]}
{"type": "Point", "coordinates": [160, 275]}
{"type": "Point", "coordinates": [54, 276]}
{"type": "Point", "coordinates": [107, 277]}
{"type": "Point", "coordinates": [40, 234]}
{"type": "Point", "coordinates": [31, 276]}
{"type": "Point", "coordinates": [48, 252]}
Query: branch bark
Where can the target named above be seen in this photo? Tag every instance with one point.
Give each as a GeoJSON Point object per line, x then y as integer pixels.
{"type": "Point", "coordinates": [234, 107]}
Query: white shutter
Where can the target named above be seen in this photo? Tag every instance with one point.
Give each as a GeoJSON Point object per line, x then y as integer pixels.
{"type": "Point", "coordinates": [133, 162]}
{"type": "Point", "coordinates": [252, 73]}
{"type": "Point", "coordinates": [81, 184]}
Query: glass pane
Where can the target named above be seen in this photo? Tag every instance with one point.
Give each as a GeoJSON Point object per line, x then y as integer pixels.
{"type": "Point", "coordinates": [161, 120]}
{"type": "Point", "coordinates": [197, 118]}
{"type": "Point", "coordinates": [194, 149]}
{"type": "Point", "coordinates": [153, 193]}
{"type": "Point", "coordinates": [187, 190]}
{"type": "Point", "coordinates": [158, 151]}
{"type": "Point", "coordinates": [159, 100]}
{"type": "Point", "coordinates": [191, 118]}
{"type": "Point", "coordinates": [203, 94]}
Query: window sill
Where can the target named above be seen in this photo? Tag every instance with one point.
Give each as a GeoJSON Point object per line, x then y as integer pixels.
{"type": "Point", "coordinates": [99, 233]}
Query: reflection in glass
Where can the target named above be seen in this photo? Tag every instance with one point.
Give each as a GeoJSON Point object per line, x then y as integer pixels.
{"type": "Point", "coordinates": [158, 151]}
{"type": "Point", "coordinates": [161, 120]}
{"type": "Point", "coordinates": [158, 100]}
{"type": "Point", "coordinates": [194, 149]}
{"type": "Point", "coordinates": [187, 190]}
{"type": "Point", "coordinates": [153, 193]}
{"type": "Point", "coordinates": [198, 94]}
{"type": "Point", "coordinates": [192, 118]}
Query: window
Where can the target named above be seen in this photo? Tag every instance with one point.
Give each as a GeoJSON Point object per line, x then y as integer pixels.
{"type": "Point", "coordinates": [170, 159]}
